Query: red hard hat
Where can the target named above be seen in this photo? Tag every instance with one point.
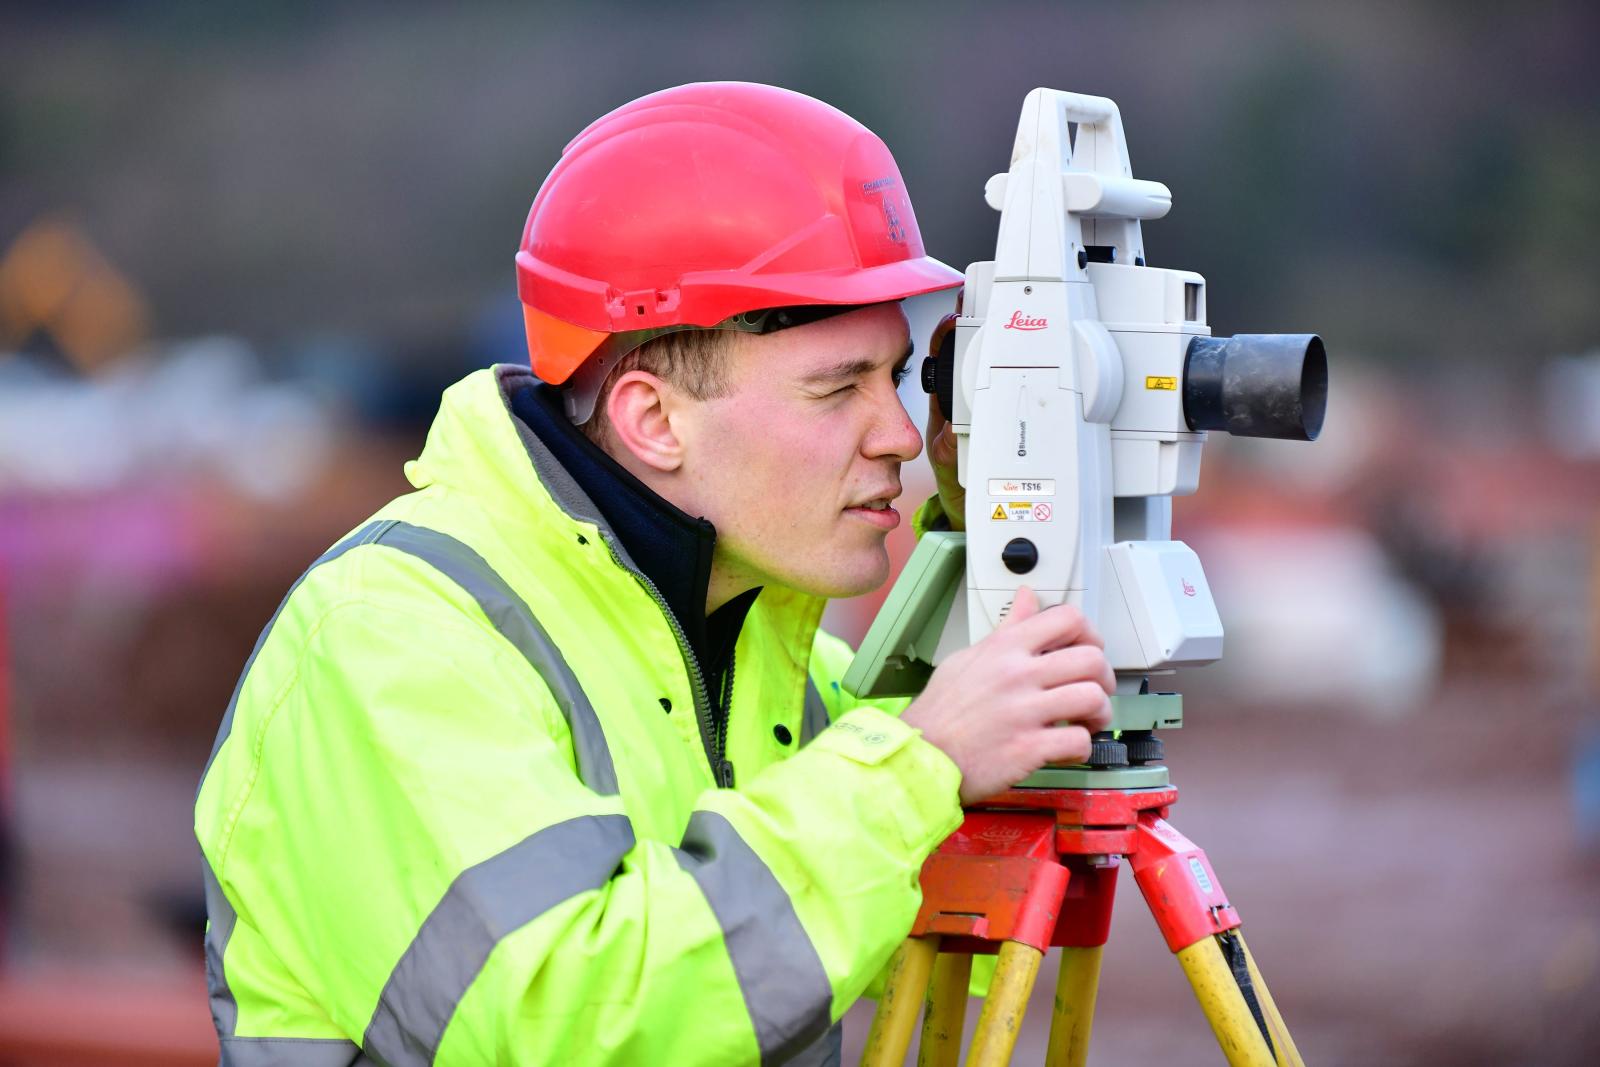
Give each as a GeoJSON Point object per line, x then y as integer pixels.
{"type": "Point", "coordinates": [695, 204]}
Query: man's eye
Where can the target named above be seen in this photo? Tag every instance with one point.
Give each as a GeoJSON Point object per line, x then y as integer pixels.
{"type": "Point", "coordinates": [901, 374]}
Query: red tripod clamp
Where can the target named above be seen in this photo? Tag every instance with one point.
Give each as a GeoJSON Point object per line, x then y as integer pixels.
{"type": "Point", "coordinates": [1037, 866]}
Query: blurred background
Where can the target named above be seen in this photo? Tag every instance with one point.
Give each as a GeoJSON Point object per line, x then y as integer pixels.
{"type": "Point", "coordinates": [242, 249]}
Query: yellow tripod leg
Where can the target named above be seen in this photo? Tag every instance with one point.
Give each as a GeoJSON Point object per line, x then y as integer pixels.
{"type": "Point", "coordinates": [890, 1035]}
{"type": "Point", "coordinates": [1282, 1043]}
{"type": "Point", "coordinates": [1003, 1008]}
{"type": "Point", "coordinates": [1224, 1005]}
{"type": "Point", "coordinates": [946, 1013]}
{"type": "Point", "coordinates": [1074, 1009]}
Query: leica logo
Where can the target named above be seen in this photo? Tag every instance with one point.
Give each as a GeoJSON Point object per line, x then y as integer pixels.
{"type": "Point", "coordinates": [1019, 321]}
{"type": "Point", "coordinates": [1188, 590]}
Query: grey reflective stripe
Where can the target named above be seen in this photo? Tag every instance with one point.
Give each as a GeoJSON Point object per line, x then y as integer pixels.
{"type": "Point", "coordinates": [816, 714]}
{"type": "Point", "coordinates": [224, 1009]}
{"type": "Point", "coordinates": [504, 608]}
{"type": "Point", "coordinates": [291, 1052]}
{"type": "Point", "coordinates": [362, 536]}
{"type": "Point", "coordinates": [510, 615]}
{"type": "Point", "coordinates": [482, 906]}
{"type": "Point", "coordinates": [827, 1051]}
{"type": "Point", "coordinates": [786, 988]}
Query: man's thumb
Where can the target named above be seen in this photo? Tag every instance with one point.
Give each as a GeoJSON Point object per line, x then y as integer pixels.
{"type": "Point", "coordinates": [1024, 605]}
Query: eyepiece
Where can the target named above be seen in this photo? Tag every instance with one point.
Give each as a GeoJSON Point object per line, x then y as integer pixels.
{"type": "Point", "coordinates": [1257, 385]}
{"type": "Point", "coordinates": [939, 367]}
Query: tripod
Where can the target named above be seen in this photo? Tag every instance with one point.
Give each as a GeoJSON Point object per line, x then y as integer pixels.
{"type": "Point", "coordinates": [1037, 866]}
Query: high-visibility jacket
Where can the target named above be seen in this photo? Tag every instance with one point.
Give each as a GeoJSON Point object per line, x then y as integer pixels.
{"type": "Point", "coordinates": [460, 811]}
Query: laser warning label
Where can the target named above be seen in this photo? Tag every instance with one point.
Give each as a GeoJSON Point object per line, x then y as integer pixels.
{"type": "Point", "coordinates": [1153, 381]}
{"type": "Point", "coordinates": [1022, 511]}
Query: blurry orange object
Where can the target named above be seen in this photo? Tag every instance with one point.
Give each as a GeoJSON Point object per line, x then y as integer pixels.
{"type": "Point", "coordinates": [54, 279]}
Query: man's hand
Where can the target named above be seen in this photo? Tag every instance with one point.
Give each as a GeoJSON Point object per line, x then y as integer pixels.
{"type": "Point", "coordinates": [941, 442]}
{"type": "Point", "coordinates": [994, 708]}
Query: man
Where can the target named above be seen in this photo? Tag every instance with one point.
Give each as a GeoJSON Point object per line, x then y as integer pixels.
{"type": "Point", "coordinates": [537, 765]}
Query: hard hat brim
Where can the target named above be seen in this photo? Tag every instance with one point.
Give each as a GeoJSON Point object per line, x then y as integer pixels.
{"type": "Point", "coordinates": [558, 346]}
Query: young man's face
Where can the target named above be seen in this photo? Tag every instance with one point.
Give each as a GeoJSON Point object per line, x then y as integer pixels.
{"type": "Point", "coordinates": [810, 433]}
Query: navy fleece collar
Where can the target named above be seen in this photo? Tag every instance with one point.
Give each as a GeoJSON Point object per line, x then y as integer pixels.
{"type": "Point", "coordinates": [671, 548]}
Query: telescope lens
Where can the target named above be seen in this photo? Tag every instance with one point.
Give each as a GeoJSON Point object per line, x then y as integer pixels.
{"type": "Point", "coordinates": [1257, 385]}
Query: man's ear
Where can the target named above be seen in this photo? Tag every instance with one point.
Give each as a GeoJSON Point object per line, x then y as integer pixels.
{"type": "Point", "coordinates": [640, 408]}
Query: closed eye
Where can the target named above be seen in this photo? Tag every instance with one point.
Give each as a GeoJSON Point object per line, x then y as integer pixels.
{"type": "Point", "coordinates": [898, 376]}
{"type": "Point", "coordinates": [852, 373]}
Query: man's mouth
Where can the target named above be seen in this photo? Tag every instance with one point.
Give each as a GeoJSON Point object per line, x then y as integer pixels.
{"type": "Point", "coordinates": [881, 502]}
{"type": "Point", "coordinates": [878, 511]}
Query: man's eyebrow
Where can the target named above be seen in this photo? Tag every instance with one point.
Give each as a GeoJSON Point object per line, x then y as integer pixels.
{"type": "Point", "coordinates": [846, 369]}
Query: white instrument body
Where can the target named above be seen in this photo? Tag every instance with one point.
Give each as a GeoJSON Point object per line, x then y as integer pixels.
{"type": "Point", "coordinates": [1068, 398]}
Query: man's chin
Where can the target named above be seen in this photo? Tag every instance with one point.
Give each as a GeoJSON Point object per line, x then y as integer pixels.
{"type": "Point", "coordinates": [843, 584]}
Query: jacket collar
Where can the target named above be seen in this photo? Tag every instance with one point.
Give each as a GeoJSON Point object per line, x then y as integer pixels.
{"type": "Point", "coordinates": [670, 547]}
{"type": "Point", "coordinates": [478, 447]}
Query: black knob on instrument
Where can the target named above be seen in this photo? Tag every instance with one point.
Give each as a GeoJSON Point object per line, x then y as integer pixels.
{"type": "Point", "coordinates": [1020, 556]}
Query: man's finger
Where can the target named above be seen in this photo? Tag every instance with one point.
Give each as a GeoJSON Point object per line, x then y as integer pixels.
{"type": "Point", "coordinates": [1084, 703]}
{"type": "Point", "coordinates": [1057, 627]}
{"type": "Point", "coordinates": [1077, 663]}
{"type": "Point", "coordinates": [1024, 606]}
{"type": "Point", "coordinates": [1063, 744]}
{"type": "Point", "coordinates": [942, 450]}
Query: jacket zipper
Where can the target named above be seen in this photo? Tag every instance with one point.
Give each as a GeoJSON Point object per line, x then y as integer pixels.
{"type": "Point", "coordinates": [713, 736]}
{"type": "Point", "coordinates": [723, 764]}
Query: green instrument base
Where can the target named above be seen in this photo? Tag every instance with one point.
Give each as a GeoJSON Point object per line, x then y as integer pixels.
{"type": "Point", "coordinates": [1152, 776]}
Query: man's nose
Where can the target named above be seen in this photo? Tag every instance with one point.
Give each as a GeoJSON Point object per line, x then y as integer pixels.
{"type": "Point", "coordinates": [895, 435]}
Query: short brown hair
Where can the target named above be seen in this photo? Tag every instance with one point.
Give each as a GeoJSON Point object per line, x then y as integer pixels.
{"type": "Point", "coordinates": [695, 361]}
